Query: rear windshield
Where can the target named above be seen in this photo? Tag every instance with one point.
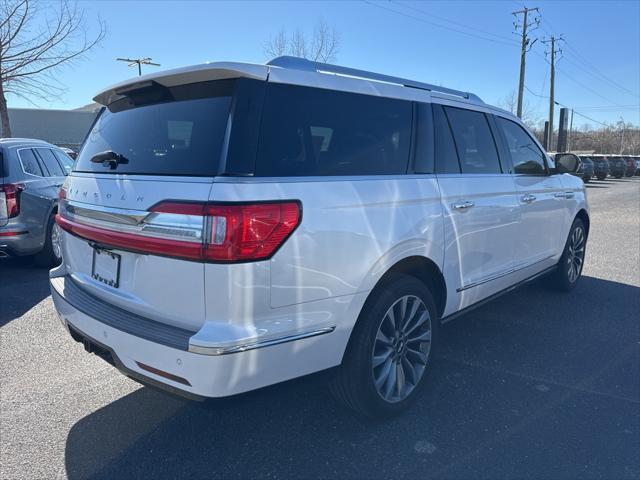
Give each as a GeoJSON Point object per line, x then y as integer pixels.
{"type": "Point", "coordinates": [182, 134]}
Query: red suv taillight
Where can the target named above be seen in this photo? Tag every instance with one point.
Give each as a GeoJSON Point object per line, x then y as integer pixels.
{"type": "Point", "coordinates": [231, 232]}
{"type": "Point", "coordinates": [10, 200]}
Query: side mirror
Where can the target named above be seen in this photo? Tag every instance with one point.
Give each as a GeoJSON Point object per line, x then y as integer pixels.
{"type": "Point", "coordinates": [567, 163]}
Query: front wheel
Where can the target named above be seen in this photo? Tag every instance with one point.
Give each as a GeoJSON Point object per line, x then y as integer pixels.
{"type": "Point", "coordinates": [388, 356]}
{"type": "Point", "coordinates": [571, 262]}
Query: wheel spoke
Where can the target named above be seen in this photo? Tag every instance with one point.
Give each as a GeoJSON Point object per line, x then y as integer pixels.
{"type": "Point", "coordinates": [409, 371]}
{"type": "Point", "coordinates": [384, 339]}
{"type": "Point", "coordinates": [414, 308]}
{"type": "Point", "coordinates": [423, 337]}
{"type": "Point", "coordinates": [418, 355]}
{"type": "Point", "coordinates": [384, 374]}
{"type": "Point", "coordinates": [421, 319]}
{"type": "Point", "coordinates": [391, 380]}
{"type": "Point", "coordinates": [381, 358]}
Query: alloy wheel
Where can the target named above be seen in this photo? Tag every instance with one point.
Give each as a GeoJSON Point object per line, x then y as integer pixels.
{"type": "Point", "coordinates": [55, 241]}
{"type": "Point", "coordinates": [401, 348]}
{"type": "Point", "coordinates": [575, 254]}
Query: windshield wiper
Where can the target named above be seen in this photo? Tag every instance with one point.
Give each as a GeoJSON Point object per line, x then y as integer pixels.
{"type": "Point", "coordinates": [110, 159]}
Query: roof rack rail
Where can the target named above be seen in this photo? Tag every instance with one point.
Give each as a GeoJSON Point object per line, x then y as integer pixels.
{"type": "Point", "coordinates": [297, 63]}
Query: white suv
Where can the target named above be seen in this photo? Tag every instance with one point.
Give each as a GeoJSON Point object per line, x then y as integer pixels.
{"type": "Point", "coordinates": [230, 226]}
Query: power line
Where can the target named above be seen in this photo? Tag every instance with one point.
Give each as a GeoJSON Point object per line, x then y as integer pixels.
{"type": "Point", "coordinates": [444, 19]}
{"type": "Point", "coordinates": [423, 20]}
{"type": "Point", "coordinates": [593, 68]}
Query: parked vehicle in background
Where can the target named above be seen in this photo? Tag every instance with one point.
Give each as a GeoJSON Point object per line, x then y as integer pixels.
{"type": "Point", "coordinates": [586, 169]}
{"type": "Point", "coordinates": [617, 166]}
{"type": "Point", "coordinates": [600, 166]}
{"type": "Point", "coordinates": [31, 174]}
{"type": "Point", "coordinates": [637, 159]}
{"type": "Point", "coordinates": [631, 166]}
{"type": "Point", "coordinates": [70, 152]}
{"type": "Point", "coordinates": [335, 222]}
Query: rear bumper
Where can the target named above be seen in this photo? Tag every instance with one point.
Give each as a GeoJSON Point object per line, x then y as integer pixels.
{"type": "Point", "coordinates": [178, 370]}
{"type": "Point", "coordinates": [16, 240]}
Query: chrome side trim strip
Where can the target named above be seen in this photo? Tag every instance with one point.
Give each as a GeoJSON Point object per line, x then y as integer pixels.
{"type": "Point", "coordinates": [490, 298]}
{"type": "Point", "coordinates": [252, 346]}
{"type": "Point", "coordinates": [501, 274]}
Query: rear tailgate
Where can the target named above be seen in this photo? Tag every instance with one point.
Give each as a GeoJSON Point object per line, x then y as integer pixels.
{"type": "Point", "coordinates": [165, 289]}
{"type": "Point", "coordinates": [158, 146]}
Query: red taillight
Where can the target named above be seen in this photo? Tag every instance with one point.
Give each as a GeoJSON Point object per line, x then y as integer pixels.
{"type": "Point", "coordinates": [10, 199]}
{"type": "Point", "coordinates": [249, 232]}
{"type": "Point", "coordinates": [204, 232]}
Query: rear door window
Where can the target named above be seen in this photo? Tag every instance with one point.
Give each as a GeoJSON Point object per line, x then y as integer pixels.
{"type": "Point", "coordinates": [65, 161]}
{"type": "Point", "coordinates": [181, 134]}
{"type": "Point", "coordinates": [526, 157]}
{"type": "Point", "coordinates": [474, 141]}
{"type": "Point", "coordinates": [50, 162]}
{"type": "Point", "coordinates": [308, 131]}
{"type": "Point", "coordinates": [29, 162]}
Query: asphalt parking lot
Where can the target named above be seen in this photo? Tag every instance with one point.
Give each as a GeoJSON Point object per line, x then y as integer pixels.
{"type": "Point", "coordinates": [533, 385]}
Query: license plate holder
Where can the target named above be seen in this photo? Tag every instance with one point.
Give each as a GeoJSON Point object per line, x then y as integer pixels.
{"type": "Point", "coordinates": [106, 267]}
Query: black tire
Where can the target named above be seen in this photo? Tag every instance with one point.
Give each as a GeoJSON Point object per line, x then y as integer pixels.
{"type": "Point", "coordinates": [601, 177]}
{"type": "Point", "coordinates": [586, 179]}
{"type": "Point", "coordinates": [562, 278]}
{"type": "Point", "coordinates": [353, 383]}
{"type": "Point", "coordinates": [46, 258]}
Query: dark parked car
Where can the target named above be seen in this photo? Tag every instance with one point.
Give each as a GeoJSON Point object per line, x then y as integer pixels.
{"type": "Point", "coordinates": [631, 166]}
{"type": "Point", "coordinates": [637, 159]}
{"type": "Point", "coordinates": [600, 166]}
{"type": "Point", "coordinates": [617, 165]}
{"type": "Point", "coordinates": [31, 173]}
{"type": "Point", "coordinates": [586, 170]}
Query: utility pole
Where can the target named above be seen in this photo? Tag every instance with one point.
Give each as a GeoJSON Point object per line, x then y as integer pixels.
{"type": "Point", "coordinates": [570, 129]}
{"type": "Point", "coordinates": [552, 52]}
{"type": "Point", "coordinates": [139, 62]}
{"type": "Point", "coordinates": [526, 46]}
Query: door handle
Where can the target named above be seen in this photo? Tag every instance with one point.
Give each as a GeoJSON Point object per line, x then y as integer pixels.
{"type": "Point", "coordinates": [528, 198]}
{"type": "Point", "coordinates": [564, 195]}
{"type": "Point", "coordinates": [462, 205]}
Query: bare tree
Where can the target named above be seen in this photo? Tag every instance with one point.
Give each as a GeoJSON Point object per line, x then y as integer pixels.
{"type": "Point", "coordinates": [510, 101]}
{"type": "Point", "coordinates": [36, 40]}
{"type": "Point", "coordinates": [322, 46]}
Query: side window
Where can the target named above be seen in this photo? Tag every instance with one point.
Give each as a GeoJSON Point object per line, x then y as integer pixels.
{"type": "Point", "coordinates": [308, 131]}
{"type": "Point", "coordinates": [65, 160]}
{"type": "Point", "coordinates": [474, 141]}
{"type": "Point", "coordinates": [446, 156]}
{"type": "Point", "coordinates": [29, 162]}
{"type": "Point", "coordinates": [50, 162]}
{"type": "Point", "coordinates": [526, 157]}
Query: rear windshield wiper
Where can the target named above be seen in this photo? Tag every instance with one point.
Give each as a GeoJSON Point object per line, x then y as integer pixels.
{"type": "Point", "coordinates": [109, 159]}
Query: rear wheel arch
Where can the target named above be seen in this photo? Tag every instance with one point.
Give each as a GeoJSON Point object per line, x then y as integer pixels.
{"type": "Point", "coordinates": [422, 268]}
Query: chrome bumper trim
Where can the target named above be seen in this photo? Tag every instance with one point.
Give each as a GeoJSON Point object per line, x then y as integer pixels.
{"type": "Point", "coordinates": [226, 350]}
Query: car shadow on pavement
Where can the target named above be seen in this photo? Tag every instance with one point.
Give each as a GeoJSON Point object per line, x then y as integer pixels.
{"type": "Point", "coordinates": [596, 186]}
{"type": "Point", "coordinates": [22, 285]}
{"type": "Point", "coordinates": [530, 369]}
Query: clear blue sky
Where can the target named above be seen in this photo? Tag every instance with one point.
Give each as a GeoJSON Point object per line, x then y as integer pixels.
{"type": "Point", "coordinates": [464, 45]}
